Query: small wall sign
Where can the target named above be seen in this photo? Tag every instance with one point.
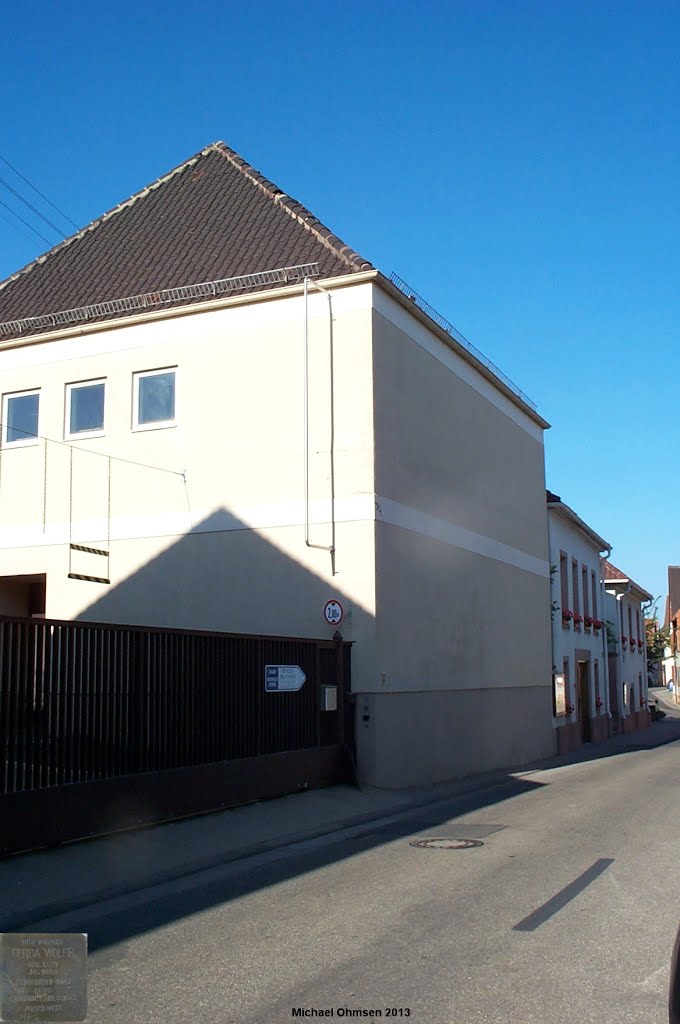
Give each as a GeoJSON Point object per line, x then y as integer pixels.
{"type": "Point", "coordinates": [280, 678]}
{"type": "Point", "coordinates": [333, 613]}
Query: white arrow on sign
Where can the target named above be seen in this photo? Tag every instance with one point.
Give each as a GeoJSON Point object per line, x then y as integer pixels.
{"type": "Point", "coordinates": [278, 678]}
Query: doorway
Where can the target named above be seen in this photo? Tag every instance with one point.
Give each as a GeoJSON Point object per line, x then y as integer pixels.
{"type": "Point", "coordinates": [582, 682]}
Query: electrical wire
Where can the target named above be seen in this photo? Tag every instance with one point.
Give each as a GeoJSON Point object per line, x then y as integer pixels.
{"type": "Point", "coordinates": [34, 230]}
{"type": "Point", "coordinates": [36, 211]}
{"type": "Point", "coordinates": [41, 194]}
{"type": "Point", "coordinates": [14, 226]}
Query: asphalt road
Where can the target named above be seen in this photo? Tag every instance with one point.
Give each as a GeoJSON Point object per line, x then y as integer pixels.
{"type": "Point", "coordinates": [567, 912]}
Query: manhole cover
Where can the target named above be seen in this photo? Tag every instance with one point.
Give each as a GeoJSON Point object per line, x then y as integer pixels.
{"type": "Point", "coordinates": [446, 844]}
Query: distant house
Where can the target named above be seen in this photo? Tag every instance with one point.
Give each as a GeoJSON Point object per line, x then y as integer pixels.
{"type": "Point", "coordinates": [217, 415]}
{"type": "Point", "coordinates": [581, 710]}
{"type": "Point", "coordinates": [627, 650]}
{"type": "Point", "coordinates": [670, 673]}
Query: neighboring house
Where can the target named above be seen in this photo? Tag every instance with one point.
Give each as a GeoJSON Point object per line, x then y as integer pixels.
{"type": "Point", "coordinates": [625, 614]}
{"type": "Point", "coordinates": [218, 416]}
{"type": "Point", "coordinates": [579, 638]}
{"type": "Point", "coordinates": [671, 660]}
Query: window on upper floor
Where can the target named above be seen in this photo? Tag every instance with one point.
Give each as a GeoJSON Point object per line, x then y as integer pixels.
{"type": "Point", "coordinates": [593, 587]}
{"type": "Point", "coordinates": [564, 582]}
{"type": "Point", "coordinates": [574, 581]}
{"type": "Point", "coordinates": [20, 414]}
{"type": "Point", "coordinates": [85, 409]}
{"type": "Point", "coordinates": [153, 399]}
{"type": "Point", "coordinates": [585, 590]}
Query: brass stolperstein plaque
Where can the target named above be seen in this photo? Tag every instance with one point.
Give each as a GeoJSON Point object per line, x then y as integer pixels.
{"type": "Point", "coordinates": [43, 977]}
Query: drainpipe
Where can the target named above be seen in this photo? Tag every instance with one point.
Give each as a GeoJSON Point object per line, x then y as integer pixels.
{"type": "Point", "coordinates": [322, 547]}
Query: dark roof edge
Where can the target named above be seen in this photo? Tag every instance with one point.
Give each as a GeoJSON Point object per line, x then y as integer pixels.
{"type": "Point", "coordinates": [169, 312]}
{"type": "Point", "coordinates": [295, 209]}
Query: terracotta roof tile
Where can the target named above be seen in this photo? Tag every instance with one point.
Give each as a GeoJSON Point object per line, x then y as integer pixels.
{"type": "Point", "coordinates": [212, 217]}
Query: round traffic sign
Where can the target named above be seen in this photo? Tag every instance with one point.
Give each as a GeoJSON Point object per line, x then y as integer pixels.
{"type": "Point", "coordinates": [333, 613]}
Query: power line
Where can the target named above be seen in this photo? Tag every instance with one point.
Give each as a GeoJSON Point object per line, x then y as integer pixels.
{"type": "Point", "coordinates": [42, 196]}
{"type": "Point", "coordinates": [13, 225]}
{"type": "Point", "coordinates": [34, 230]}
{"type": "Point", "coordinates": [30, 206]}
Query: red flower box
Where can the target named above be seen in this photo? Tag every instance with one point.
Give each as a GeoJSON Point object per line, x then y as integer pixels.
{"type": "Point", "coordinates": [641, 644]}
{"type": "Point", "coordinates": [567, 615]}
{"type": "Point", "coordinates": [589, 621]}
{"type": "Point", "coordinates": [598, 623]}
{"type": "Point", "coordinates": [624, 640]}
{"type": "Point", "coordinates": [578, 619]}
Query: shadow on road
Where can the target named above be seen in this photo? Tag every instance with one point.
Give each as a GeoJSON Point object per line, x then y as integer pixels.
{"type": "Point", "coordinates": [108, 925]}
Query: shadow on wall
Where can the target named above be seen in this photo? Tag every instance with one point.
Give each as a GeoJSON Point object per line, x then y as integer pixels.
{"type": "Point", "coordinates": [223, 575]}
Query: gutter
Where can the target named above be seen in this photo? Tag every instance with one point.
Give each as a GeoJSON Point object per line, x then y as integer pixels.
{"type": "Point", "coordinates": [210, 305]}
{"type": "Point", "coordinates": [287, 291]}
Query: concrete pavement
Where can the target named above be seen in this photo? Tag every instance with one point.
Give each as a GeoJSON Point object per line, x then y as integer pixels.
{"type": "Point", "coordinates": [38, 885]}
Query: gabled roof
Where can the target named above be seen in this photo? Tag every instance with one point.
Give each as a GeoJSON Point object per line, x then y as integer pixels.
{"type": "Point", "coordinates": [211, 218]}
{"type": "Point", "coordinates": [613, 575]}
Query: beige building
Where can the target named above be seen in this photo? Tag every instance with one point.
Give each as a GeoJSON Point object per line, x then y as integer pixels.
{"type": "Point", "coordinates": [218, 416]}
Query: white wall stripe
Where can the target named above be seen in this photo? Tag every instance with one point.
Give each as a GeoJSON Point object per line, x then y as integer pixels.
{"type": "Point", "coordinates": [279, 515]}
{"type": "Point", "coordinates": [396, 514]}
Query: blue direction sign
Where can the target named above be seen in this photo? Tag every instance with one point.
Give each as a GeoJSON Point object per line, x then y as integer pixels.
{"type": "Point", "coordinates": [279, 678]}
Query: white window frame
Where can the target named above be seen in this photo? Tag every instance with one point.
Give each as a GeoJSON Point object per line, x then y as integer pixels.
{"type": "Point", "coordinates": [157, 424]}
{"type": "Point", "coordinates": [23, 442]}
{"type": "Point", "coordinates": [75, 435]}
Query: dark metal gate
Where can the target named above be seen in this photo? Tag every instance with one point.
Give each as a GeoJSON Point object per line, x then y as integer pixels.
{"type": "Point", "coordinates": [104, 727]}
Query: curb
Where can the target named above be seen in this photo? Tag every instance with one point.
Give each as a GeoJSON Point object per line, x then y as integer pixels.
{"type": "Point", "coordinates": [460, 791]}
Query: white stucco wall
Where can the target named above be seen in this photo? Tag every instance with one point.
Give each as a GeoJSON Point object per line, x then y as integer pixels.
{"type": "Point", "coordinates": [239, 440]}
{"type": "Point", "coordinates": [631, 662]}
{"type": "Point", "coordinates": [462, 590]}
{"type": "Point", "coordinates": [571, 642]}
{"type": "Point", "coordinates": [438, 480]}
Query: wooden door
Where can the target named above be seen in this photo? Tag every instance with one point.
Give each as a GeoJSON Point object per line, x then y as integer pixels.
{"type": "Point", "coordinates": [583, 700]}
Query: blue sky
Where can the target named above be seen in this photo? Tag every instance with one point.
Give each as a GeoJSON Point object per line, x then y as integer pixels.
{"type": "Point", "coordinates": [516, 163]}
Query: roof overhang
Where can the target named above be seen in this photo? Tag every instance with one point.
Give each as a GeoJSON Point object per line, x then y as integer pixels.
{"type": "Point", "coordinates": [564, 512]}
{"type": "Point", "coordinates": [627, 585]}
{"type": "Point", "coordinates": [268, 295]}
{"type": "Point", "coordinates": [210, 305]}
